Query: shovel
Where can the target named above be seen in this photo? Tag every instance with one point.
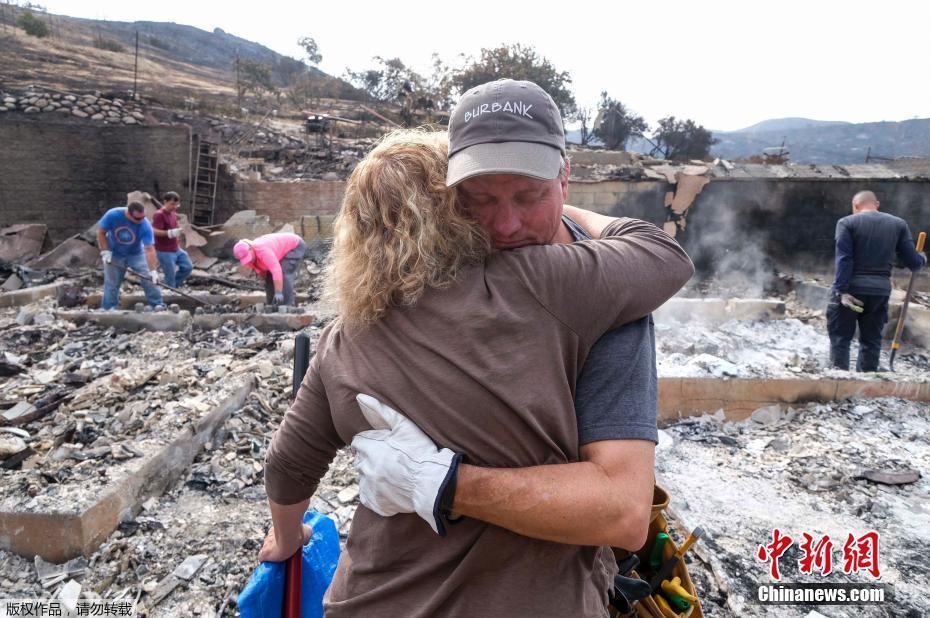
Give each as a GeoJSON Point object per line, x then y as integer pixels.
{"type": "Point", "coordinates": [171, 289]}
{"type": "Point", "coordinates": [896, 343]}
{"type": "Point", "coordinates": [293, 567]}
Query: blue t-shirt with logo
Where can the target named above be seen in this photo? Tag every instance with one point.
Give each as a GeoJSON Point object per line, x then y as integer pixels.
{"type": "Point", "coordinates": [124, 235]}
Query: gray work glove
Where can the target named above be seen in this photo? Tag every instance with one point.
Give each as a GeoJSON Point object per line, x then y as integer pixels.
{"type": "Point", "coordinates": [174, 233]}
{"type": "Point", "coordinates": [851, 302]}
{"type": "Point", "coordinates": [400, 469]}
{"type": "Point", "coordinates": [278, 298]}
{"type": "Point", "coordinates": [106, 256]}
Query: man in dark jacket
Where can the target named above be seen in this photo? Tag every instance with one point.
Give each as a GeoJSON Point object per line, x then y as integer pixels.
{"type": "Point", "coordinates": [867, 243]}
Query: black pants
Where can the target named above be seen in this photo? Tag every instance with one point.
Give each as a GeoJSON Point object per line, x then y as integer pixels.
{"type": "Point", "coordinates": [841, 325]}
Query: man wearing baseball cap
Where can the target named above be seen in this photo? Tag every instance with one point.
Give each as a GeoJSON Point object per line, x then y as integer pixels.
{"type": "Point", "coordinates": [507, 158]}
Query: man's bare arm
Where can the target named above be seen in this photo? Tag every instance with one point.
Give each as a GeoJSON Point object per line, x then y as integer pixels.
{"type": "Point", "coordinates": [605, 499]}
{"type": "Point", "coordinates": [151, 257]}
{"type": "Point", "coordinates": [287, 533]}
{"type": "Point", "coordinates": [592, 222]}
{"type": "Point", "coordinates": [102, 243]}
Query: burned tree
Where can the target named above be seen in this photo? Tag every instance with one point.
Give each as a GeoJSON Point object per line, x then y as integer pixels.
{"type": "Point", "coordinates": [615, 124]}
{"type": "Point", "coordinates": [681, 139]}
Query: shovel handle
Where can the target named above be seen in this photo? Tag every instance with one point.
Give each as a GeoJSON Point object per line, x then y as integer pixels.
{"type": "Point", "coordinates": [292, 580]}
{"type": "Point", "coordinates": [899, 327]}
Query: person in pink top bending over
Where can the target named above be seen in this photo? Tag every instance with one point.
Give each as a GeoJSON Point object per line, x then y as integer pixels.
{"type": "Point", "coordinates": [276, 257]}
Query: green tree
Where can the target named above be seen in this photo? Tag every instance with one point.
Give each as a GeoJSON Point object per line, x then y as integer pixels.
{"type": "Point", "coordinates": [255, 78]}
{"type": "Point", "coordinates": [682, 139]}
{"type": "Point", "coordinates": [517, 62]}
{"type": "Point", "coordinates": [33, 25]}
{"type": "Point", "coordinates": [390, 81]}
{"type": "Point", "coordinates": [583, 116]}
{"type": "Point", "coordinates": [438, 86]}
{"type": "Point", "coordinates": [311, 50]}
{"type": "Point", "coordinates": [615, 124]}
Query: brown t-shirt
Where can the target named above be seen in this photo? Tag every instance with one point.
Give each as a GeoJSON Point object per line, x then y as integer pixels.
{"type": "Point", "coordinates": [487, 368]}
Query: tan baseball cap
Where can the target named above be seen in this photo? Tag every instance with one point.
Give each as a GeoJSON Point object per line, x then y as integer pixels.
{"type": "Point", "coordinates": [505, 127]}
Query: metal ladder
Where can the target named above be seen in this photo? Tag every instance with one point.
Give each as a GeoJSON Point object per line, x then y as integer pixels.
{"type": "Point", "coordinates": [203, 191]}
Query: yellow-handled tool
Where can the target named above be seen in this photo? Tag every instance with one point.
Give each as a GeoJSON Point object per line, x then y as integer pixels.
{"type": "Point", "coordinates": [896, 342]}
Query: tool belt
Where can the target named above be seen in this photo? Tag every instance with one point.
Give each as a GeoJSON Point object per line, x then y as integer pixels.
{"type": "Point", "coordinates": [634, 584]}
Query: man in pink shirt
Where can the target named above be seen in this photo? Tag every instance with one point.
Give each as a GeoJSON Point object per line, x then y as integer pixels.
{"type": "Point", "coordinates": [276, 257]}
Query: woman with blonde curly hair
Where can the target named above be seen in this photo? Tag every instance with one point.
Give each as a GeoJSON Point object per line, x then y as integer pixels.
{"type": "Point", "coordinates": [481, 350]}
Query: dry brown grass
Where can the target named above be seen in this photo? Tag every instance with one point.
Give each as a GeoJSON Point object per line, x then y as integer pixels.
{"type": "Point", "coordinates": [72, 62]}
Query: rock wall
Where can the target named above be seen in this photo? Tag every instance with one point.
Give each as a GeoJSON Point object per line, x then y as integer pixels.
{"type": "Point", "coordinates": [92, 106]}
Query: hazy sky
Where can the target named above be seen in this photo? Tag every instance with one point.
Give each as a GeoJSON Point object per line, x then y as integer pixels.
{"type": "Point", "coordinates": [727, 65]}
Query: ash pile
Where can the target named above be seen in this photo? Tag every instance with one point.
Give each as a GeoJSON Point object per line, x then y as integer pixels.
{"type": "Point", "coordinates": [85, 409]}
{"type": "Point", "coordinates": [786, 337]}
{"type": "Point", "coordinates": [82, 409]}
{"type": "Point", "coordinates": [823, 469]}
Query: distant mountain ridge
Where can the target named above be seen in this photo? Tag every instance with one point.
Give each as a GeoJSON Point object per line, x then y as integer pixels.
{"type": "Point", "coordinates": [789, 124]}
{"type": "Point", "coordinates": [815, 141]}
{"type": "Point", "coordinates": [825, 142]}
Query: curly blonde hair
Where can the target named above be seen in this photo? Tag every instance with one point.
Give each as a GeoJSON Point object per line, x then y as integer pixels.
{"type": "Point", "coordinates": [400, 230]}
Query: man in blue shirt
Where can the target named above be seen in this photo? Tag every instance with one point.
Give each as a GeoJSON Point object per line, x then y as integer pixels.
{"type": "Point", "coordinates": [867, 243]}
{"type": "Point", "coordinates": [126, 241]}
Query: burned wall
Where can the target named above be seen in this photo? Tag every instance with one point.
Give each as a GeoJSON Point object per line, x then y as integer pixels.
{"type": "Point", "coordinates": [747, 226]}
{"type": "Point", "coordinates": [66, 175]}
{"type": "Point", "coordinates": [285, 202]}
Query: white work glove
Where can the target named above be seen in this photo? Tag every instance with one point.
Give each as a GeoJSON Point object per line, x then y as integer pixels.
{"type": "Point", "coordinates": [106, 256]}
{"type": "Point", "coordinates": [851, 302]}
{"type": "Point", "coordinates": [174, 233]}
{"type": "Point", "coordinates": [278, 298]}
{"type": "Point", "coordinates": [154, 275]}
{"type": "Point", "coordinates": [400, 469]}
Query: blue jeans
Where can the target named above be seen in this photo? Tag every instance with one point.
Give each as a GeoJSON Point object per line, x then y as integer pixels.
{"type": "Point", "coordinates": [176, 265]}
{"type": "Point", "coordinates": [114, 272]}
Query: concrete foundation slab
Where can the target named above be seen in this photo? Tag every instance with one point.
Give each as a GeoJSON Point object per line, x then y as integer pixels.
{"type": "Point", "coordinates": [740, 397]}
{"type": "Point", "coordinates": [916, 326]}
{"type": "Point", "coordinates": [813, 295]}
{"type": "Point", "coordinates": [25, 296]}
{"type": "Point", "coordinates": [265, 322]}
{"type": "Point", "coordinates": [243, 300]}
{"type": "Point", "coordinates": [720, 309]}
{"type": "Point", "coordinates": [60, 536]}
{"type": "Point", "coordinates": [130, 321]}
{"type": "Point", "coordinates": [75, 252]}
{"type": "Point", "coordinates": [19, 243]}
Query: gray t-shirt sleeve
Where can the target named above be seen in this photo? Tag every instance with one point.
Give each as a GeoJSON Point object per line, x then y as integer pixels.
{"type": "Point", "coordinates": [617, 392]}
